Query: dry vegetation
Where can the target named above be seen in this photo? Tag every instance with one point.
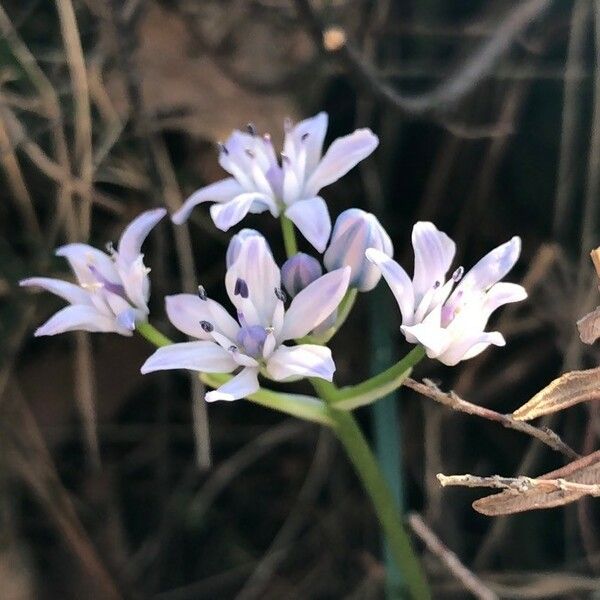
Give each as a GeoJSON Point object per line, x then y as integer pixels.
{"type": "Point", "coordinates": [114, 485]}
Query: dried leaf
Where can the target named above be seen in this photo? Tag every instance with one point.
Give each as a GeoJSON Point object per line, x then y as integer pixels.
{"type": "Point", "coordinates": [595, 254]}
{"type": "Point", "coordinates": [589, 327]}
{"type": "Point", "coordinates": [569, 389]}
{"type": "Point", "coordinates": [585, 470]}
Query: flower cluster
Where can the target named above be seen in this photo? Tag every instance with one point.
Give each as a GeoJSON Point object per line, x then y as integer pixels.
{"type": "Point", "coordinates": [276, 309]}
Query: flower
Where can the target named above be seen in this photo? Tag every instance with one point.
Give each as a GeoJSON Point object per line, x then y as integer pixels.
{"type": "Point", "coordinates": [298, 272]}
{"type": "Point", "coordinates": [356, 230]}
{"type": "Point", "coordinates": [450, 321]}
{"type": "Point", "coordinates": [255, 341]}
{"type": "Point", "coordinates": [260, 182]}
{"type": "Point", "coordinates": [112, 289]}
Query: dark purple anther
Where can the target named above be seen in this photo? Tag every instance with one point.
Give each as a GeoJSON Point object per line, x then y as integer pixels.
{"type": "Point", "coordinates": [249, 153]}
{"type": "Point", "coordinates": [457, 275]}
{"type": "Point", "coordinates": [241, 288]}
{"type": "Point", "coordinates": [207, 326]}
{"type": "Point", "coordinates": [202, 293]}
{"type": "Point", "coordinates": [304, 136]}
{"type": "Point", "coordinates": [251, 128]}
{"type": "Point", "coordinates": [280, 294]}
{"type": "Point", "coordinates": [223, 148]}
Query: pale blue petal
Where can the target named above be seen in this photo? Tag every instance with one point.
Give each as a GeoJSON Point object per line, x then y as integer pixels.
{"type": "Point", "coordinates": [344, 154]}
{"type": "Point", "coordinates": [80, 317]}
{"type": "Point", "coordinates": [89, 264]}
{"type": "Point", "coordinates": [311, 217]}
{"type": "Point", "coordinates": [130, 244]}
{"type": "Point", "coordinates": [306, 360]}
{"type": "Point", "coordinates": [314, 304]}
{"type": "Point", "coordinates": [399, 282]}
{"type": "Point", "coordinates": [434, 253]}
{"type": "Point", "coordinates": [230, 213]}
{"type": "Point", "coordinates": [221, 191]}
{"type": "Point", "coordinates": [204, 356]}
{"type": "Point", "coordinates": [70, 292]}
{"type": "Point", "coordinates": [243, 384]}
{"type": "Point", "coordinates": [469, 346]}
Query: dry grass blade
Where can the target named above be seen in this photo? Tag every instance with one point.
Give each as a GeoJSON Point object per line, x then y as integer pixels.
{"type": "Point", "coordinates": [557, 488]}
{"type": "Point", "coordinates": [567, 390]}
{"type": "Point", "coordinates": [595, 254]}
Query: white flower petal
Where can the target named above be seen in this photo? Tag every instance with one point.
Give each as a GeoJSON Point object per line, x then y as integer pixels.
{"type": "Point", "coordinates": [186, 311]}
{"type": "Point", "coordinates": [311, 217]}
{"type": "Point", "coordinates": [490, 269]}
{"type": "Point", "coordinates": [202, 356]}
{"type": "Point", "coordinates": [85, 259]}
{"type": "Point", "coordinates": [306, 360]}
{"type": "Point", "coordinates": [434, 253]}
{"type": "Point", "coordinates": [469, 346]}
{"type": "Point", "coordinates": [136, 232]}
{"type": "Point", "coordinates": [311, 134]}
{"type": "Point", "coordinates": [503, 293]}
{"type": "Point", "coordinates": [435, 339]}
{"type": "Point", "coordinates": [230, 213]}
{"type": "Point", "coordinates": [314, 304]}
{"type": "Point", "coordinates": [80, 317]}
{"type": "Point", "coordinates": [257, 271]}
{"type": "Point", "coordinates": [221, 191]}
{"type": "Point", "coordinates": [70, 292]}
{"type": "Point", "coordinates": [398, 280]}
{"type": "Point", "coordinates": [345, 153]}
{"type": "Point", "coordinates": [243, 384]}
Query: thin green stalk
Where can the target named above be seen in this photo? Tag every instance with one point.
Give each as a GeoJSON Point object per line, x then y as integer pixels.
{"type": "Point", "coordinates": [296, 405]}
{"type": "Point", "coordinates": [289, 236]}
{"type": "Point", "coordinates": [382, 384]}
{"type": "Point", "coordinates": [386, 508]}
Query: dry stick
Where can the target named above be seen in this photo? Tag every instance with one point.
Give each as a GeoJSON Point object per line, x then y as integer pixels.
{"type": "Point", "coordinates": [15, 180]}
{"type": "Point", "coordinates": [453, 401]}
{"type": "Point", "coordinates": [468, 579]}
{"type": "Point", "coordinates": [573, 91]}
{"type": "Point", "coordinates": [519, 484]}
{"type": "Point", "coordinates": [449, 91]}
{"type": "Point", "coordinates": [82, 117]}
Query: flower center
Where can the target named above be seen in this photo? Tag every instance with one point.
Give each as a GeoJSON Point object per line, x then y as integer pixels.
{"type": "Point", "coordinates": [251, 340]}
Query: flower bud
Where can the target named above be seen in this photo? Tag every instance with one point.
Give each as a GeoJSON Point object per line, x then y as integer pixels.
{"type": "Point", "coordinates": [354, 232]}
{"type": "Point", "coordinates": [236, 242]}
{"type": "Point", "coordinates": [298, 272]}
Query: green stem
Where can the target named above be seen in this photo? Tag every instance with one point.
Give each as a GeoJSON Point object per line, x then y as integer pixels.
{"type": "Point", "coordinates": [382, 384]}
{"type": "Point", "coordinates": [289, 236]}
{"type": "Point", "coordinates": [153, 335]}
{"type": "Point", "coordinates": [386, 508]}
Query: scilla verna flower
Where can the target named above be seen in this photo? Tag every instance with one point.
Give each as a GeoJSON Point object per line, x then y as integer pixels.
{"type": "Point", "coordinates": [450, 321]}
{"type": "Point", "coordinates": [255, 341]}
{"type": "Point", "coordinates": [112, 289]}
{"type": "Point", "coordinates": [356, 230]}
{"type": "Point", "coordinates": [260, 181]}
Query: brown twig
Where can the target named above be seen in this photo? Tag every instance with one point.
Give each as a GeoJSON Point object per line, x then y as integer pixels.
{"type": "Point", "coordinates": [519, 484]}
{"type": "Point", "coordinates": [455, 402]}
{"type": "Point", "coordinates": [466, 577]}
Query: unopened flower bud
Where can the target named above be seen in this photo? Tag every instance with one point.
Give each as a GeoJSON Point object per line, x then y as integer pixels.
{"type": "Point", "coordinates": [236, 242]}
{"type": "Point", "coordinates": [298, 272]}
{"type": "Point", "coordinates": [354, 232]}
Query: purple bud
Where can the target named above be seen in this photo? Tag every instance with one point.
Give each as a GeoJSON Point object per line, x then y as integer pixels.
{"type": "Point", "coordinates": [298, 272]}
{"type": "Point", "coordinates": [356, 231]}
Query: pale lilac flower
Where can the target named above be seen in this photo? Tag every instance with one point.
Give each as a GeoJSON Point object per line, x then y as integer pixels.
{"type": "Point", "coordinates": [289, 184]}
{"type": "Point", "coordinates": [254, 343]}
{"type": "Point", "coordinates": [112, 290]}
{"type": "Point", "coordinates": [356, 230]}
{"type": "Point", "coordinates": [449, 317]}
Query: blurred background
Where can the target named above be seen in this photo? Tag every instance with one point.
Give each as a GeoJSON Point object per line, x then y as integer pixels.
{"type": "Point", "coordinates": [117, 485]}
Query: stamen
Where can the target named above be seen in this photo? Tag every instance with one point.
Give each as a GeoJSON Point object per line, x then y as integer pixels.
{"type": "Point", "coordinates": [240, 288]}
{"type": "Point", "coordinates": [280, 294]}
{"type": "Point", "coordinates": [222, 148]}
{"type": "Point", "coordinates": [110, 248]}
{"type": "Point", "coordinates": [251, 128]}
{"type": "Point", "coordinates": [232, 348]}
{"type": "Point", "coordinates": [269, 330]}
{"type": "Point", "coordinates": [304, 136]}
{"type": "Point", "coordinates": [436, 285]}
{"type": "Point", "coordinates": [267, 138]}
{"type": "Point", "coordinates": [201, 292]}
{"type": "Point", "coordinates": [285, 159]}
{"type": "Point", "coordinates": [249, 153]}
{"type": "Point", "coordinates": [458, 274]}
{"type": "Point", "coordinates": [206, 326]}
